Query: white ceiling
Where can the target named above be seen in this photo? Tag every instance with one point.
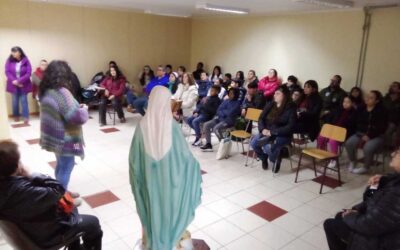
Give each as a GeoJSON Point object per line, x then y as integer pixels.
{"type": "Point", "coordinates": [188, 7]}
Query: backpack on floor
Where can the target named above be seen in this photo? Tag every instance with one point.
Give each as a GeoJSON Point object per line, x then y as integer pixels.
{"type": "Point", "coordinates": [224, 149]}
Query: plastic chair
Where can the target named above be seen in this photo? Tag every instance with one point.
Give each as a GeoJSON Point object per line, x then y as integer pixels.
{"type": "Point", "coordinates": [330, 132]}
{"type": "Point", "coordinates": [20, 241]}
{"type": "Point", "coordinates": [252, 115]}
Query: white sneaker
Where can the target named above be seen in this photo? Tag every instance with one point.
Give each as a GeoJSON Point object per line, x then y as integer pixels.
{"type": "Point", "coordinates": [332, 164]}
{"type": "Point", "coordinates": [350, 166]}
{"type": "Point", "coordinates": [360, 170]}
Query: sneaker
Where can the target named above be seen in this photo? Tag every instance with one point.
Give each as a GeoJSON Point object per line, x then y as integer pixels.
{"type": "Point", "coordinates": [332, 164]}
{"type": "Point", "coordinates": [360, 170]}
{"type": "Point", "coordinates": [350, 166]}
{"type": "Point", "coordinates": [208, 147]}
{"type": "Point", "coordinates": [77, 202]}
{"type": "Point", "coordinates": [197, 142]}
{"type": "Point", "coordinates": [265, 164]}
{"type": "Point", "coordinates": [74, 195]}
{"type": "Point", "coordinates": [122, 120]}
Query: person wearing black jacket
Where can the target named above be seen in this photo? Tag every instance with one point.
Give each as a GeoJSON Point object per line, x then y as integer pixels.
{"type": "Point", "coordinates": [253, 98]}
{"type": "Point", "coordinates": [308, 111]}
{"type": "Point", "coordinates": [374, 223]}
{"type": "Point", "coordinates": [32, 202]}
{"type": "Point", "coordinates": [276, 125]}
{"type": "Point", "coordinates": [371, 125]}
{"type": "Point", "coordinates": [204, 112]}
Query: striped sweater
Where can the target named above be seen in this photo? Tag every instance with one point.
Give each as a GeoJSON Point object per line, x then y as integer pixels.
{"type": "Point", "coordinates": [61, 120]}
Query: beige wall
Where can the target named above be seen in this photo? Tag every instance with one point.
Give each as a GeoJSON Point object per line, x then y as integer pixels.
{"type": "Point", "coordinates": [89, 38]}
{"type": "Point", "coordinates": [310, 46]}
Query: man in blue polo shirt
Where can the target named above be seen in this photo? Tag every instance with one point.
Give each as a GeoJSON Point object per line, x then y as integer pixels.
{"type": "Point", "coordinates": [161, 79]}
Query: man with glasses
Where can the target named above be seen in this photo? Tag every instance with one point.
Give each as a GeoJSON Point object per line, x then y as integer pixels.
{"type": "Point", "coordinates": [161, 79]}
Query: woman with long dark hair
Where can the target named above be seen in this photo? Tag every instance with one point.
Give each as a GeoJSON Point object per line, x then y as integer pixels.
{"type": "Point", "coordinates": [308, 111]}
{"type": "Point", "coordinates": [18, 72]}
{"type": "Point", "coordinates": [357, 97]}
{"type": "Point", "coordinates": [216, 74]}
{"type": "Point", "coordinates": [114, 89]}
{"type": "Point", "coordinates": [61, 119]}
{"type": "Point", "coordinates": [276, 125]}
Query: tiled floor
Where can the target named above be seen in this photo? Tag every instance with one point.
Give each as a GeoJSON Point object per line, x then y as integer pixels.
{"type": "Point", "coordinates": [233, 195]}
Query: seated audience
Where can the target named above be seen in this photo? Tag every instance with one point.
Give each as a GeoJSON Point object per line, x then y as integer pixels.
{"type": "Point", "coordinates": [181, 70]}
{"type": "Point", "coordinates": [198, 71]}
{"type": "Point", "coordinates": [187, 94]}
{"type": "Point", "coordinates": [269, 84]}
{"type": "Point", "coordinates": [114, 89]}
{"type": "Point", "coordinates": [216, 74]}
{"type": "Point", "coordinates": [168, 69]}
{"type": "Point", "coordinates": [292, 84]}
{"type": "Point", "coordinates": [161, 79]}
{"type": "Point", "coordinates": [239, 78]}
{"type": "Point", "coordinates": [371, 123]}
{"type": "Point", "coordinates": [173, 82]}
{"type": "Point", "coordinates": [372, 224]}
{"type": "Point", "coordinates": [276, 125]}
{"type": "Point", "coordinates": [251, 77]}
{"type": "Point", "coordinates": [242, 91]}
{"type": "Point", "coordinates": [308, 111]}
{"type": "Point", "coordinates": [332, 96]}
{"type": "Point", "coordinates": [253, 98]}
{"type": "Point", "coordinates": [222, 92]}
{"type": "Point", "coordinates": [342, 117]}
{"type": "Point", "coordinates": [144, 77]}
{"type": "Point", "coordinates": [226, 116]}
{"type": "Point", "coordinates": [298, 96]}
{"type": "Point", "coordinates": [392, 105]}
{"type": "Point", "coordinates": [37, 77]}
{"type": "Point", "coordinates": [356, 95]}
{"type": "Point", "coordinates": [204, 112]}
{"type": "Point", "coordinates": [203, 85]}
{"type": "Point", "coordinates": [227, 80]}
{"type": "Point", "coordinates": [34, 204]}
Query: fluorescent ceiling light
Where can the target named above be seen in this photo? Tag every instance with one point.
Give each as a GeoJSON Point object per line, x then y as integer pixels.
{"type": "Point", "coordinates": [165, 14]}
{"type": "Point", "coordinates": [218, 8]}
{"type": "Point", "coordinates": [330, 3]}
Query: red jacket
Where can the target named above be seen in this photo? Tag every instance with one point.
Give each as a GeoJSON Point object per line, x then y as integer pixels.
{"type": "Point", "coordinates": [268, 86]}
{"type": "Point", "coordinates": [116, 87]}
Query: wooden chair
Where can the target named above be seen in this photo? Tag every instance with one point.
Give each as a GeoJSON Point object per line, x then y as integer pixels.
{"type": "Point", "coordinates": [20, 241]}
{"type": "Point", "coordinates": [330, 132]}
{"type": "Point", "coordinates": [252, 115]}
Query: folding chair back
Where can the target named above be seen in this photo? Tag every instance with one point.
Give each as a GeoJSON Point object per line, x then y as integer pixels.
{"type": "Point", "coordinates": [253, 114]}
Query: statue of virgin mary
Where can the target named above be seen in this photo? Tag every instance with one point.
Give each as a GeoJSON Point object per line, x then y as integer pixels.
{"type": "Point", "coordinates": [164, 175]}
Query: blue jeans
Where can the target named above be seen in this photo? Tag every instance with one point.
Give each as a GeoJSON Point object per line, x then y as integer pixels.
{"type": "Point", "coordinates": [17, 98]}
{"type": "Point", "coordinates": [270, 151]}
{"type": "Point", "coordinates": [195, 122]}
{"type": "Point", "coordinates": [130, 97]}
{"type": "Point", "coordinates": [65, 165]}
{"type": "Point", "coordinates": [140, 104]}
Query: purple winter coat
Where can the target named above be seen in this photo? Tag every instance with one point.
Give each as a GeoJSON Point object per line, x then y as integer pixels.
{"type": "Point", "coordinates": [25, 76]}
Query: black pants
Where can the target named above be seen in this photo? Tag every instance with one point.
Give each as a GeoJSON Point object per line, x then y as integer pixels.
{"type": "Point", "coordinates": [116, 102]}
{"type": "Point", "coordinates": [90, 226]}
{"type": "Point", "coordinates": [337, 233]}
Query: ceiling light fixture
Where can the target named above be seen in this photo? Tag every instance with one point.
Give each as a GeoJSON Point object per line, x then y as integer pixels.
{"type": "Point", "coordinates": [218, 8]}
{"type": "Point", "coordinates": [165, 14]}
{"type": "Point", "coordinates": [329, 3]}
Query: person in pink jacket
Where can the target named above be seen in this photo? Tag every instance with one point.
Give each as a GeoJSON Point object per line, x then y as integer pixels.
{"type": "Point", "coordinates": [269, 84]}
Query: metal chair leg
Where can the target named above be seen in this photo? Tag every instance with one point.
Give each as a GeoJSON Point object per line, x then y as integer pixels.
{"type": "Point", "coordinates": [338, 170]}
{"type": "Point", "coordinates": [315, 167]}
{"type": "Point", "coordinates": [298, 168]}
{"type": "Point", "coordinates": [323, 177]}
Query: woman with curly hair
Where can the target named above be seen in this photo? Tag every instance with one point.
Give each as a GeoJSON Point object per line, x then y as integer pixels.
{"type": "Point", "coordinates": [61, 119]}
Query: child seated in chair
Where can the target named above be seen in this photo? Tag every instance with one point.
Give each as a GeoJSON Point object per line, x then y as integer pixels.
{"type": "Point", "coordinates": [205, 111]}
{"type": "Point", "coordinates": [226, 116]}
{"type": "Point", "coordinates": [342, 117]}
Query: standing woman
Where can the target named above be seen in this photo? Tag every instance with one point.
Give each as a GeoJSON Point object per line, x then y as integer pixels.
{"type": "Point", "coordinates": [61, 119]}
{"type": "Point", "coordinates": [18, 71]}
